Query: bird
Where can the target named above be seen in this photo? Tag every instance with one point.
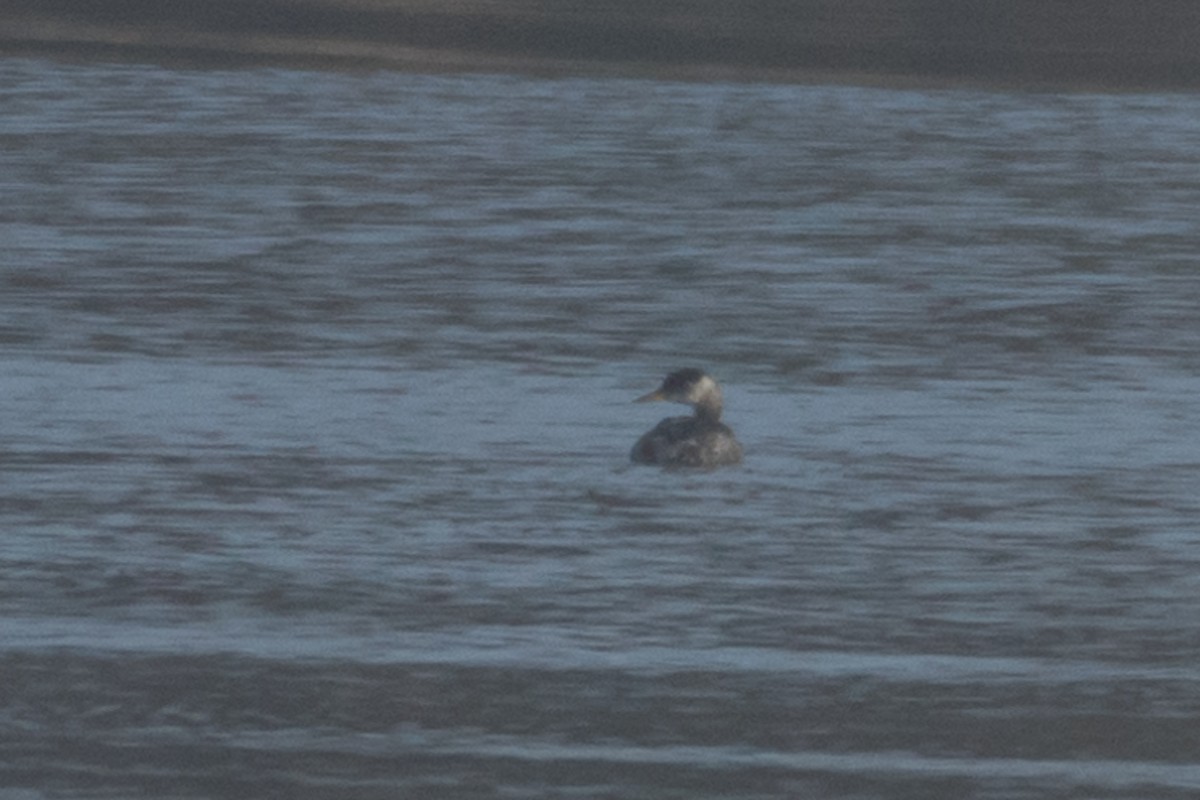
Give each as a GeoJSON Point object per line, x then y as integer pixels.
{"type": "Point", "coordinates": [700, 440]}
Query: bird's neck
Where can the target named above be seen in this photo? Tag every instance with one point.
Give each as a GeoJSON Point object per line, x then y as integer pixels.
{"type": "Point", "coordinates": [708, 409]}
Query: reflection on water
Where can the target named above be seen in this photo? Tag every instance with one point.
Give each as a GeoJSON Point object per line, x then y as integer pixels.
{"type": "Point", "coordinates": [317, 413]}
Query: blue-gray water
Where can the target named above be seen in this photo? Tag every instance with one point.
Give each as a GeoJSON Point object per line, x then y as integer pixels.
{"type": "Point", "coordinates": [316, 414]}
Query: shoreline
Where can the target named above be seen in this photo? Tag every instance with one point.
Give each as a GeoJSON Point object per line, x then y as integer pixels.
{"type": "Point", "coordinates": [900, 43]}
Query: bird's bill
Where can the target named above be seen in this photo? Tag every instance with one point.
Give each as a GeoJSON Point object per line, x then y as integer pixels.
{"type": "Point", "coordinates": [650, 398]}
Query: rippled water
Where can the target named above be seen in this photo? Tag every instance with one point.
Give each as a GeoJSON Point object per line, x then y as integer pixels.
{"type": "Point", "coordinates": [316, 419]}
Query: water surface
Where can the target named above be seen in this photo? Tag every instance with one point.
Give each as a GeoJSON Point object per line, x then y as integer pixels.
{"type": "Point", "coordinates": [314, 474]}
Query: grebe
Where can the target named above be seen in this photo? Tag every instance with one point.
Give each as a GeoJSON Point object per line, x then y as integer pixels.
{"type": "Point", "coordinates": [700, 440]}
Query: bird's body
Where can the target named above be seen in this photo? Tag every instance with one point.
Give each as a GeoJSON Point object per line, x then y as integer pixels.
{"type": "Point", "coordinates": [700, 440]}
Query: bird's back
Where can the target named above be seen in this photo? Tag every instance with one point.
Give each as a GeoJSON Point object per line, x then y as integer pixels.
{"type": "Point", "coordinates": [688, 442]}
